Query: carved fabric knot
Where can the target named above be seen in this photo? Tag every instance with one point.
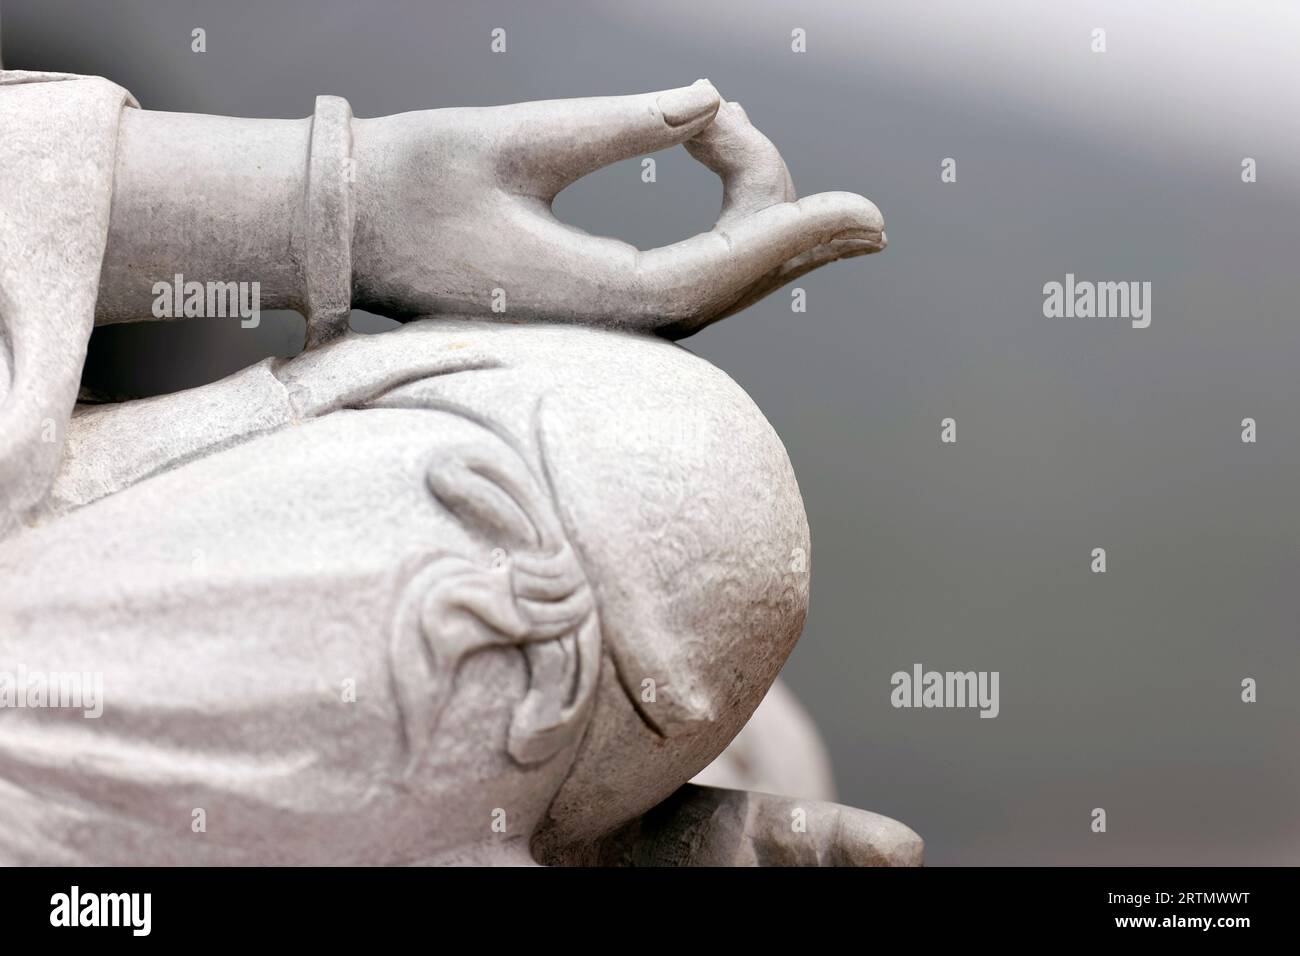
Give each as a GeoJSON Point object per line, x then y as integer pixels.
{"type": "Point", "coordinates": [530, 593]}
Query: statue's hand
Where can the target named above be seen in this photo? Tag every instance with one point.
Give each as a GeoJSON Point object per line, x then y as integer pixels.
{"type": "Point", "coordinates": [454, 204]}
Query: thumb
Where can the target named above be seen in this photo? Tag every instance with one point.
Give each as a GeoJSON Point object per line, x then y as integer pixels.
{"type": "Point", "coordinates": [693, 283]}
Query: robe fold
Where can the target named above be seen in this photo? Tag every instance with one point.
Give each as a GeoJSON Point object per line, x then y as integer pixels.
{"type": "Point", "coordinates": [58, 144]}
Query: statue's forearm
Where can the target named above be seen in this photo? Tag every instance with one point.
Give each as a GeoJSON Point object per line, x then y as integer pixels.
{"type": "Point", "coordinates": [213, 198]}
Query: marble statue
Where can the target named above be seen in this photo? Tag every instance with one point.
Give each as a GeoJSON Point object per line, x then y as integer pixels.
{"type": "Point", "coordinates": [489, 588]}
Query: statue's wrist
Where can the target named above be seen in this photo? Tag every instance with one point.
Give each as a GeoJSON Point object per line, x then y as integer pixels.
{"type": "Point", "coordinates": [369, 179]}
{"type": "Point", "coordinates": [378, 148]}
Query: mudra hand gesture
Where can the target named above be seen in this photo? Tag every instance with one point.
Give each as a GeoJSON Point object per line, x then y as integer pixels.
{"type": "Point", "coordinates": [447, 205]}
{"type": "Point", "coordinates": [454, 202]}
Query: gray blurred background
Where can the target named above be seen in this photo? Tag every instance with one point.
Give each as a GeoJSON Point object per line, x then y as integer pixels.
{"type": "Point", "coordinates": [1119, 690]}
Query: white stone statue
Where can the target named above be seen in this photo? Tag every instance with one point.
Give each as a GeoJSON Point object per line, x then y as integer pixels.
{"type": "Point", "coordinates": [488, 588]}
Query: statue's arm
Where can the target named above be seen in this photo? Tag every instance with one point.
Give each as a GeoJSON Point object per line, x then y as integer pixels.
{"type": "Point", "coordinates": [449, 212]}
